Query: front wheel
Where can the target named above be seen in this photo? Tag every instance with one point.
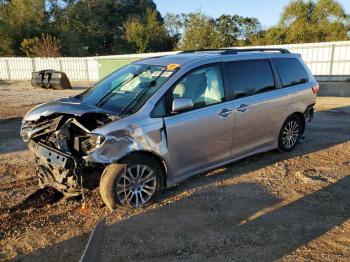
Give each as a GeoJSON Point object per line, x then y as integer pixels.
{"type": "Point", "coordinates": [290, 134]}
{"type": "Point", "coordinates": [134, 183]}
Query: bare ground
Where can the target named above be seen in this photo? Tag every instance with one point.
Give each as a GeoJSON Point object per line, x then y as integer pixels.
{"type": "Point", "coordinates": [272, 206]}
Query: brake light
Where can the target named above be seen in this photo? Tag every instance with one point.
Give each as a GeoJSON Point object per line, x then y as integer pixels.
{"type": "Point", "coordinates": [315, 89]}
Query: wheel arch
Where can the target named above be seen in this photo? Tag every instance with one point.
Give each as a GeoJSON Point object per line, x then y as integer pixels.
{"type": "Point", "coordinates": [302, 118]}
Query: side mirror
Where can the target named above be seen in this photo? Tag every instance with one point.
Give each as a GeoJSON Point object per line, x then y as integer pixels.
{"type": "Point", "coordinates": [181, 104]}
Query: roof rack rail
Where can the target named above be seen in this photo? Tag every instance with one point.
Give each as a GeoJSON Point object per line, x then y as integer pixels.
{"type": "Point", "coordinates": [205, 50]}
{"type": "Point", "coordinates": [281, 50]}
{"type": "Point", "coordinates": [231, 51]}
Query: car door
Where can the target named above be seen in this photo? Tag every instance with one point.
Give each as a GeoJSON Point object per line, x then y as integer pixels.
{"type": "Point", "coordinates": [202, 136]}
{"type": "Point", "coordinates": [259, 105]}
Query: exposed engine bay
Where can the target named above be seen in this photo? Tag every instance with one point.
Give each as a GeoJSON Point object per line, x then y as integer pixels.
{"type": "Point", "coordinates": [59, 142]}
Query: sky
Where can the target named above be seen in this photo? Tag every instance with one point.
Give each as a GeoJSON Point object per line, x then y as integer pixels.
{"type": "Point", "coordinates": [267, 11]}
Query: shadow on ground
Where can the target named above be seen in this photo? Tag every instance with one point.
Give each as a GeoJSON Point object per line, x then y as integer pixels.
{"type": "Point", "coordinates": [4, 82]}
{"type": "Point", "coordinates": [10, 138]}
{"type": "Point", "coordinates": [197, 231]}
{"type": "Point", "coordinates": [78, 87]}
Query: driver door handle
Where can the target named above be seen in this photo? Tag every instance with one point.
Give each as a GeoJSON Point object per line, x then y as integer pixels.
{"type": "Point", "coordinates": [225, 112]}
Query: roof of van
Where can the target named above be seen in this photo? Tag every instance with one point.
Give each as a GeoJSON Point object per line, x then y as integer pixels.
{"type": "Point", "coordinates": [190, 56]}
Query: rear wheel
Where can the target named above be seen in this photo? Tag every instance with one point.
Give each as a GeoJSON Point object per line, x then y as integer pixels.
{"type": "Point", "coordinates": [290, 134]}
{"type": "Point", "coordinates": [135, 183]}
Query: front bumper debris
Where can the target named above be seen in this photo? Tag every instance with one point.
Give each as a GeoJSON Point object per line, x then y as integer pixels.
{"type": "Point", "coordinates": [57, 169]}
{"type": "Point", "coordinates": [51, 156]}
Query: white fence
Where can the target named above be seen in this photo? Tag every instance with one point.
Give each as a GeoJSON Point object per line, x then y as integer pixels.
{"type": "Point", "coordinates": [328, 61]}
{"type": "Point", "coordinates": [21, 68]}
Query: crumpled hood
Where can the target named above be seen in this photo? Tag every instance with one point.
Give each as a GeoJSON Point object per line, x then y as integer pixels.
{"type": "Point", "coordinates": [71, 105]}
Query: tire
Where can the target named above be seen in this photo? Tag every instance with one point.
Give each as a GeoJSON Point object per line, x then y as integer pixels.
{"type": "Point", "coordinates": [290, 134]}
{"type": "Point", "coordinates": [136, 182]}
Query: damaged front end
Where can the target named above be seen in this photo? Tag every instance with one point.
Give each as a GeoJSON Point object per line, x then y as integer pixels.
{"type": "Point", "coordinates": [59, 142]}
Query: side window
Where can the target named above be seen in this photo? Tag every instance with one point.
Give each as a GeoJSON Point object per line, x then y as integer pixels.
{"type": "Point", "coordinates": [204, 86]}
{"type": "Point", "coordinates": [250, 77]}
{"type": "Point", "coordinates": [291, 71]}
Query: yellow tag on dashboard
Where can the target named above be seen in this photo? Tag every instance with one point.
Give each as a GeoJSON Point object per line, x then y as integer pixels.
{"type": "Point", "coordinates": [172, 66]}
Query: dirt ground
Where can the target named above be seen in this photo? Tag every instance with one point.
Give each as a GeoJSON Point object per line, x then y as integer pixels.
{"type": "Point", "coordinates": [272, 206]}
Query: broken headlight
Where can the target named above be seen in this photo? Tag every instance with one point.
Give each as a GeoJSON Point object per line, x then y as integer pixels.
{"type": "Point", "coordinates": [91, 143]}
{"type": "Point", "coordinates": [26, 130]}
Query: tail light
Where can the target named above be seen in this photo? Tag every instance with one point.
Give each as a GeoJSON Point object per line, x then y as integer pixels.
{"type": "Point", "coordinates": [315, 89]}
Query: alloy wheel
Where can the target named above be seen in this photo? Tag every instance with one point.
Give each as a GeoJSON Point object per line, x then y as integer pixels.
{"type": "Point", "coordinates": [290, 134]}
{"type": "Point", "coordinates": [136, 186]}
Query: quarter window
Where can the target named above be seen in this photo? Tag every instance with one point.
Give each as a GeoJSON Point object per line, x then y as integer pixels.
{"type": "Point", "coordinates": [250, 77]}
{"type": "Point", "coordinates": [159, 109]}
{"type": "Point", "coordinates": [290, 71]}
{"type": "Point", "coordinates": [204, 86]}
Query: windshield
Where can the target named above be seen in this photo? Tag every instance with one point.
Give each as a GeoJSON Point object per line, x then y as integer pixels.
{"type": "Point", "coordinates": [128, 88]}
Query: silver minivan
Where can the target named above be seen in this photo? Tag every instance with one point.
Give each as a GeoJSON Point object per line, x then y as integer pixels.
{"type": "Point", "coordinates": [158, 121]}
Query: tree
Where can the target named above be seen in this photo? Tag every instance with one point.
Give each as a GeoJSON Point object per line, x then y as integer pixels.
{"type": "Point", "coordinates": [228, 30]}
{"type": "Point", "coordinates": [98, 25]}
{"type": "Point", "coordinates": [46, 46]}
{"type": "Point", "coordinates": [6, 40]}
{"type": "Point", "coordinates": [18, 20]}
{"type": "Point", "coordinates": [297, 11]}
{"type": "Point", "coordinates": [174, 26]}
{"type": "Point", "coordinates": [236, 30]}
{"type": "Point", "coordinates": [146, 35]}
{"type": "Point", "coordinates": [136, 34]}
{"type": "Point", "coordinates": [84, 27]}
{"type": "Point", "coordinates": [200, 32]}
{"type": "Point", "coordinates": [272, 36]}
{"type": "Point", "coordinates": [307, 21]}
{"type": "Point", "coordinates": [248, 27]}
{"type": "Point", "coordinates": [332, 20]}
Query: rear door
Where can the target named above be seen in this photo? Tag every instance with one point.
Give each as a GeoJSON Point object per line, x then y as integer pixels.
{"type": "Point", "coordinates": [202, 136]}
{"type": "Point", "coordinates": [259, 105]}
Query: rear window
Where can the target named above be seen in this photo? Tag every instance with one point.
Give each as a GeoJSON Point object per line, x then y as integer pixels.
{"type": "Point", "coordinates": [290, 71]}
{"type": "Point", "coordinates": [250, 77]}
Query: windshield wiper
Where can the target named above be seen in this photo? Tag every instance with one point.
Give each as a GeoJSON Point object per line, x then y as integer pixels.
{"type": "Point", "coordinates": [103, 100]}
{"type": "Point", "coordinates": [150, 84]}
